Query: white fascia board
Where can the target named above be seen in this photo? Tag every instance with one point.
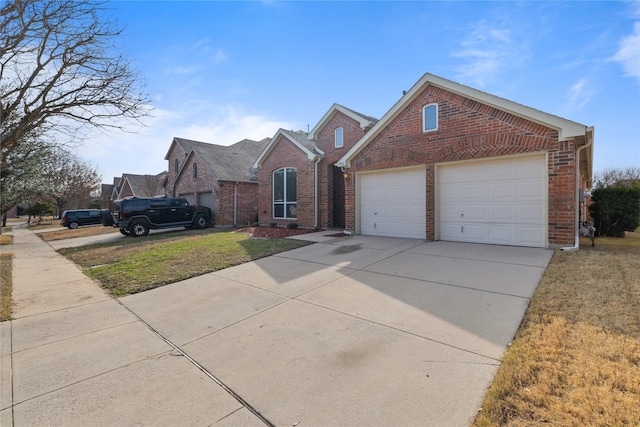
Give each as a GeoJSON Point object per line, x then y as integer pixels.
{"type": "Point", "coordinates": [258, 163]}
{"type": "Point", "coordinates": [567, 129]}
{"type": "Point", "coordinates": [327, 116]}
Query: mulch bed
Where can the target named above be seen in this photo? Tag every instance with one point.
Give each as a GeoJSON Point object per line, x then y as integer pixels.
{"type": "Point", "coordinates": [274, 232]}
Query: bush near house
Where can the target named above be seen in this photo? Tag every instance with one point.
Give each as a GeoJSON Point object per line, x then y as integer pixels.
{"type": "Point", "coordinates": [615, 209]}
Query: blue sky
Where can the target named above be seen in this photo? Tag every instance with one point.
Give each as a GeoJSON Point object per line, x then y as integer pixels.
{"type": "Point", "coordinates": [220, 72]}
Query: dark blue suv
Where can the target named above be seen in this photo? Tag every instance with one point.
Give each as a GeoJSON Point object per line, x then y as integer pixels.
{"type": "Point", "coordinates": [75, 218]}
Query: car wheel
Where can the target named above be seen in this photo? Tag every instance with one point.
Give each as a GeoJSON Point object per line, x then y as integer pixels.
{"type": "Point", "coordinates": [105, 218]}
{"type": "Point", "coordinates": [73, 225]}
{"type": "Point", "coordinates": [139, 229]}
{"type": "Point", "coordinates": [125, 232]}
{"type": "Point", "coordinates": [201, 221]}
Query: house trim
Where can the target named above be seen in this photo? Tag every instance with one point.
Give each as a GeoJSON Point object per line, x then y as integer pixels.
{"type": "Point", "coordinates": [362, 121]}
{"type": "Point", "coordinates": [311, 155]}
{"type": "Point", "coordinates": [567, 130]}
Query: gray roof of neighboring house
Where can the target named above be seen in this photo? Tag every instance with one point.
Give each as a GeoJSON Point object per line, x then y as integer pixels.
{"type": "Point", "coordinates": [145, 185]}
{"type": "Point", "coordinates": [233, 162]}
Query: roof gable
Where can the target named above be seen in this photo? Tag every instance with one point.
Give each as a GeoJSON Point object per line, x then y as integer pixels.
{"type": "Point", "coordinates": [566, 129]}
{"type": "Point", "coordinates": [227, 163]}
{"type": "Point", "coordinates": [298, 139]}
{"type": "Point", "coordinates": [364, 121]}
{"type": "Point", "coordinates": [142, 185]}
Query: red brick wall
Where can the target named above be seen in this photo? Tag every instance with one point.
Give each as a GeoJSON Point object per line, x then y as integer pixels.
{"type": "Point", "coordinates": [326, 142]}
{"type": "Point", "coordinates": [188, 186]}
{"type": "Point", "coordinates": [246, 203]}
{"type": "Point", "coordinates": [286, 154]}
{"type": "Point", "coordinates": [175, 152]}
{"type": "Point", "coordinates": [468, 130]}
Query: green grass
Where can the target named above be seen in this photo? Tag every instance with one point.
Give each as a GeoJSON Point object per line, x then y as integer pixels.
{"type": "Point", "coordinates": [135, 265]}
{"type": "Point", "coordinates": [6, 284]}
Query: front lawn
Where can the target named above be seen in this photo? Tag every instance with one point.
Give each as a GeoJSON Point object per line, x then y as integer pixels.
{"type": "Point", "coordinates": [575, 360]}
{"type": "Point", "coordinates": [138, 264]}
{"type": "Point", "coordinates": [67, 233]}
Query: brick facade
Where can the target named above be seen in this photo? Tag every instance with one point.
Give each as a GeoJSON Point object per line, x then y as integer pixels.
{"type": "Point", "coordinates": [286, 154]}
{"type": "Point", "coordinates": [175, 153]}
{"type": "Point", "coordinates": [188, 186]}
{"type": "Point", "coordinates": [330, 183]}
{"type": "Point", "coordinates": [468, 130]}
{"type": "Point", "coordinates": [241, 198]}
{"type": "Point", "coordinates": [330, 180]}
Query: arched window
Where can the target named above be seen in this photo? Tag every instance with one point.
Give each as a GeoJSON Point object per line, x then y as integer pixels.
{"type": "Point", "coordinates": [285, 193]}
{"type": "Point", "coordinates": [195, 171]}
{"type": "Point", "coordinates": [177, 165]}
{"type": "Point", "coordinates": [339, 139]}
{"type": "Point", "coordinates": [430, 117]}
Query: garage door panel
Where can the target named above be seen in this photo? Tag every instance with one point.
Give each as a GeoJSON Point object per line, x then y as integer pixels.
{"type": "Point", "coordinates": [393, 203]}
{"type": "Point", "coordinates": [531, 213]}
{"type": "Point", "coordinates": [513, 206]}
{"type": "Point", "coordinates": [501, 212]}
{"type": "Point", "coordinates": [534, 190]}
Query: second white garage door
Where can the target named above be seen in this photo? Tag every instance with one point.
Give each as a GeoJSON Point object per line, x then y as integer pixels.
{"type": "Point", "coordinates": [500, 202]}
{"type": "Point", "coordinates": [393, 203]}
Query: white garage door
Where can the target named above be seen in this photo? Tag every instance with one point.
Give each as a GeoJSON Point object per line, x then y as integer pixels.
{"type": "Point", "coordinates": [393, 203]}
{"type": "Point", "coordinates": [500, 202]}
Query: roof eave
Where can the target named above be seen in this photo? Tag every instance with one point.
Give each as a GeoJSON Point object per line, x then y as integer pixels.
{"type": "Point", "coordinates": [363, 122]}
{"type": "Point", "coordinates": [567, 129]}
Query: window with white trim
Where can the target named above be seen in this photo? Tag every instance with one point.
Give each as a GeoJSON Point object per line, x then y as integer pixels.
{"type": "Point", "coordinates": [176, 166]}
{"type": "Point", "coordinates": [195, 170]}
{"type": "Point", "coordinates": [285, 193]}
{"type": "Point", "coordinates": [339, 137]}
{"type": "Point", "coordinates": [430, 117]}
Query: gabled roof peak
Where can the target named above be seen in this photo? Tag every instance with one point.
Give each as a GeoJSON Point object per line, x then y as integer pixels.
{"type": "Point", "coordinates": [364, 121]}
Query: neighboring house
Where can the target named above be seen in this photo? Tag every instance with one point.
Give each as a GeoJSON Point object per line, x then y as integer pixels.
{"type": "Point", "coordinates": [106, 190]}
{"type": "Point", "coordinates": [299, 181]}
{"type": "Point", "coordinates": [138, 185]}
{"type": "Point", "coordinates": [216, 176]}
{"type": "Point", "coordinates": [448, 162]}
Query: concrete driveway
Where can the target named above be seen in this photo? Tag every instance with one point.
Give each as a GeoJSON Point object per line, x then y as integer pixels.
{"type": "Point", "coordinates": [348, 331]}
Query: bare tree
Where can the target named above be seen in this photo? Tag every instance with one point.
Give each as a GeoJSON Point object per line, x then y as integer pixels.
{"type": "Point", "coordinates": [68, 178]}
{"type": "Point", "coordinates": [609, 177]}
{"type": "Point", "coordinates": [59, 72]}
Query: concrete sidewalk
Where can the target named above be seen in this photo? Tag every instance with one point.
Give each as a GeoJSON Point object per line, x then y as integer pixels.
{"type": "Point", "coordinates": [74, 356]}
{"type": "Point", "coordinates": [348, 331]}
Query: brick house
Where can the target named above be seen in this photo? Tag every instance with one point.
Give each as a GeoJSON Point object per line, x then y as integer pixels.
{"type": "Point", "coordinates": [298, 179]}
{"type": "Point", "coordinates": [138, 185]}
{"type": "Point", "coordinates": [216, 176]}
{"type": "Point", "coordinates": [449, 162]}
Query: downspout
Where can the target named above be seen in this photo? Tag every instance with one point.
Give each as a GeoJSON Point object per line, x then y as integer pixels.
{"type": "Point", "coordinates": [235, 203]}
{"type": "Point", "coordinates": [315, 192]}
{"type": "Point", "coordinates": [576, 245]}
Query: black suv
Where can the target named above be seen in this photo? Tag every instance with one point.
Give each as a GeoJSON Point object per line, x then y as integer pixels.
{"type": "Point", "coordinates": [136, 216]}
{"type": "Point", "coordinates": [75, 218]}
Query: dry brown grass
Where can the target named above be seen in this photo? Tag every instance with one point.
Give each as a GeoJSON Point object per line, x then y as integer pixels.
{"type": "Point", "coordinates": [576, 359]}
{"type": "Point", "coordinates": [78, 232]}
{"type": "Point", "coordinates": [5, 239]}
{"type": "Point", "coordinates": [6, 285]}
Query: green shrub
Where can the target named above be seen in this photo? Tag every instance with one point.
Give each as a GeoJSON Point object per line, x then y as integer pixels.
{"type": "Point", "coordinates": [39, 209]}
{"type": "Point", "coordinates": [273, 224]}
{"type": "Point", "coordinates": [615, 209]}
{"type": "Point", "coordinates": [292, 225]}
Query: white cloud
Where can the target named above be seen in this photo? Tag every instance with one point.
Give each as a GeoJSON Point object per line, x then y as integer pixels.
{"type": "Point", "coordinates": [579, 94]}
{"type": "Point", "coordinates": [486, 50]}
{"type": "Point", "coordinates": [628, 54]}
{"type": "Point", "coordinates": [115, 153]}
